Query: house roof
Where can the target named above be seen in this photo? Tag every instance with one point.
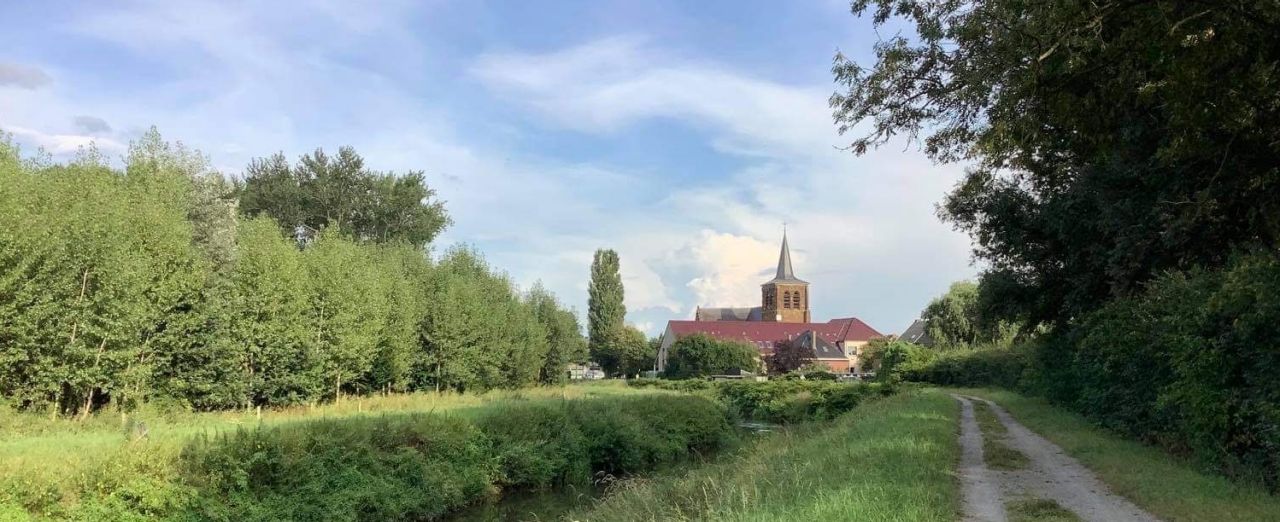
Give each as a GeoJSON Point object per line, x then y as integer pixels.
{"type": "Point", "coordinates": [764, 334]}
{"type": "Point", "coordinates": [785, 273]}
{"type": "Point", "coordinates": [727, 314]}
{"type": "Point", "coordinates": [822, 348]}
{"type": "Point", "coordinates": [917, 334]}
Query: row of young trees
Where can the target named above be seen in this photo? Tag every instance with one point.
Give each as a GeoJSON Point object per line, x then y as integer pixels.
{"type": "Point", "coordinates": [123, 286]}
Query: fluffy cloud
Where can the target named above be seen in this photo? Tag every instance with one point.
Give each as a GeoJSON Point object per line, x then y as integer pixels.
{"type": "Point", "coordinates": [863, 230]}
{"type": "Point", "coordinates": [248, 80]}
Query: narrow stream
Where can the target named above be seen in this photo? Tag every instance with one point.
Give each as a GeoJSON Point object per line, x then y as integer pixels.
{"type": "Point", "coordinates": [554, 504]}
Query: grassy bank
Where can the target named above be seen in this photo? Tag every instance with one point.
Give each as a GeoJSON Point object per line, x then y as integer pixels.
{"type": "Point", "coordinates": [1169, 487]}
{"type": "Point", "coordinates": [777, 401]}
{"type": "Point", "coordinates": [333, 456]}
{"type": "Point", "coordinates": [890, 459]}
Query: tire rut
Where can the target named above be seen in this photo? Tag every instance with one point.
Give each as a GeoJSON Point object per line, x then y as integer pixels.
{"type": "Point", "coordinates": [1051, 474]}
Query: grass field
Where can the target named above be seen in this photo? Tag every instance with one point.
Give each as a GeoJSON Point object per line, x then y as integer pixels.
{"type": "Point", "coordinates": [890, 459]}
{"type": "Point", "coordinates": [1168, 487]}
{"type": "Point", "coordinates": [48, 464]}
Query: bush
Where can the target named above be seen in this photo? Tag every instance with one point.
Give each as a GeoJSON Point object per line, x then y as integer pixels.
{"type": "Point", "coordinates": [969, 367]}
{"type": "Point", "coordinates": [418, 466]}
{"type": "Point", "coordinates": [700, 355]}
{"type": "Point", "coordinates": [1189, 364]}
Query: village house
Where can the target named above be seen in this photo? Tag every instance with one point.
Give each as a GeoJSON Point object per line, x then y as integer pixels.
{"type": "Point", "coordinates": [783, 314]}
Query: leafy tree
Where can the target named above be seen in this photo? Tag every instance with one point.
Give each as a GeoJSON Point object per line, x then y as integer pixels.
{"type": "Point", "coordinates": [408, 271]}
{"type": "Point", "coordinates": [348, 310]}
{"type": "Point", "coordinates": [340, 192]}
{"type": "Point", "coordinates": [565, 343]}
{"type": "Point", "coordinates": [605, 311]}
{"type": "Point", "coordinates": [1094, 163]}
{"type": "Point", "coordinates": [699, 355]}
{"type": "Point", "coordinates": [633, 351]}
{"type": "Point", "coordinates": [788, 356]}
{"type": "Point", "coordinates": [477, 333]}
{"type": "Point", "coordinates": [211, 203]}
{"type": "Point", "coordinates": [93, 266]}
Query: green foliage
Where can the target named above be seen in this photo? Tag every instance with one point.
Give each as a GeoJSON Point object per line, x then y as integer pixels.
{"type": "Point", "coordinates": [784, 401]}
{"type": "Point", "coordinates": [1094, 164]}
{"type": "Point", "coordinates": [340, 192]}
{"type": "Point", "coordinates": [700, 355]}
{"type": "Point", "coordinates": [606, 312]}
{"type": "Point", "coordinates": [633, 352]}
{"type": "Point", "coordinates": [990, 366]}
{"type": "Point", "coordinates": [891, 459]}
{"type": "Point", "coordinates": [93, 265]}
{"type": "Point", "coordinates": [477, 333]}
{"type": "Point", "coordinates": [411, 467]}
{"type": "Point", "coordinates": [1185, 364]}
{"type": "Point", "coordinates": [960, 319]}
{"type": "Point", "coordinates": [565, 343]}
{"type": "Point", "coordinates": [123, 286]}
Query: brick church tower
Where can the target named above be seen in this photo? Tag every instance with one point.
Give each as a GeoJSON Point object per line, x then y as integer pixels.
{"type": "Point", "coordinates": [785, 299]}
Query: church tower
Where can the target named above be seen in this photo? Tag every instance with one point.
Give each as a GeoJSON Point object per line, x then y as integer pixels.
{"type": "Point", "coordinates": [785, 298]}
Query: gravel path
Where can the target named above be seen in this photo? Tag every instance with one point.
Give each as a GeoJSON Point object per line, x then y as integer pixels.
{"type": "Point", "coordinates": [982, 502]}
{"type": "Point", "coordinates": [1051, 475]}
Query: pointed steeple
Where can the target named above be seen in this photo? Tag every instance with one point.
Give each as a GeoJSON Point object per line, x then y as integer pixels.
{"type": "Point", "coordinates": [785, 272]}
{"type": "Point", "coordinates": [784, 260]}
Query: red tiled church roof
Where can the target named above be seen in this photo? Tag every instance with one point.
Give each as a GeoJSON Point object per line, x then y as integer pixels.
{"type": "Point", "coordinates": [764, 334]}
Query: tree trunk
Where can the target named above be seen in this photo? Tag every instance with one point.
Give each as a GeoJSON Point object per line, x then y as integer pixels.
{"type": "Point", "coordinates": [88, 402]}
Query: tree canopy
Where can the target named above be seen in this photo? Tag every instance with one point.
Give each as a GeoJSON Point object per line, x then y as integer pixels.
{"type": "Point", "coordinates": [1107, 141]}
{"type": "Point", "coordinates": [606, 313]}
{"type": "Point", "coordinates": [119, 286]}
{"type": "Point", "coordinates": [321, 191]}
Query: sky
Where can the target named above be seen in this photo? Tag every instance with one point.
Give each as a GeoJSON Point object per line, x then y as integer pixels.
{"type": "Point", "coordinates": [681, 134]}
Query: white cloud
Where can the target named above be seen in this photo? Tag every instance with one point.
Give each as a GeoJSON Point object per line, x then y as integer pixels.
{"type": "Point", "coordinates": [61, 144]}
{"type": "Point", "coordinates": [863, 230]}
{"type": "Point", "coordinates": [252, 79]}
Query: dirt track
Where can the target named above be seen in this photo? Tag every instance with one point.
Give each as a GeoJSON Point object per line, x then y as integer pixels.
{"type": "Point", "coordinates": [1051, 475]}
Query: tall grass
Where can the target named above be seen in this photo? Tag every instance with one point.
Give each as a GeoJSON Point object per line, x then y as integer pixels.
{"type": "Point", "coordinates": [890, 459]}
{"type": "Point", "coordinates": [97, 469]}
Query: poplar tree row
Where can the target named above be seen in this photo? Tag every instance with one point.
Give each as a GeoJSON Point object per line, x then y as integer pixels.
{"type": "Point", "coordinates": [147, 283]}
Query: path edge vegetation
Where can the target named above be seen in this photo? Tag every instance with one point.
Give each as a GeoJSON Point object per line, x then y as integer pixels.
{"type": "Point", "coordinates": [1170, 487]}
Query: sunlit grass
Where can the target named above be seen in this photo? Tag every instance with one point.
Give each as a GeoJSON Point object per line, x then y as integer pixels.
{"type": "Point", "coordinates": [1169, 487]}
{"type": "Point", "coordinates": [889, 459]}
{"type": "Point", "coordinates": [51, 461]}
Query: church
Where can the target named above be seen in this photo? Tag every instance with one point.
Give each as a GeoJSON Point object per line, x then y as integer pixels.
{"type": "Point", "coordinates": [783, 314]}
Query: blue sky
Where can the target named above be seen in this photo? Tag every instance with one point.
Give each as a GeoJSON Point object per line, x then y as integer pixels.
{"type": "Point", "coordinates": [682, 134]}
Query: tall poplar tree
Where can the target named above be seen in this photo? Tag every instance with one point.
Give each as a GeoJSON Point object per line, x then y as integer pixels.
{"type": "Point", "coordinates": [605, 311]}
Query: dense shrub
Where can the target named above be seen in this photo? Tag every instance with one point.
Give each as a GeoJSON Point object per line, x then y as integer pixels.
{"type": "Point", "coordinates": [779, 400]}
{"type": "Point", "coordinates": [380, 468]}
{"type": "Point", "coordinates": [419, 466]}
{"type": "Point", "coordinates": [1189, 364]}
{"type": "Point", "coordinates": [970, 367]}
{"type": "Point", "coordinates": [700, 355]}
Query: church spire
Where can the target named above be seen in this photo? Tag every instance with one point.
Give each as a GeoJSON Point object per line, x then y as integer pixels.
{"type": "Point", "coordinates": [785, 272]}
{"type": "Point", "coordinates": [784, 259]}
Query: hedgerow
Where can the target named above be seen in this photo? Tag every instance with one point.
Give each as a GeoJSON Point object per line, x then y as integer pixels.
{"type": "Point", "coordinates": [1188, 364]}
{"type": "Point", "coordinates": [782, 401]}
